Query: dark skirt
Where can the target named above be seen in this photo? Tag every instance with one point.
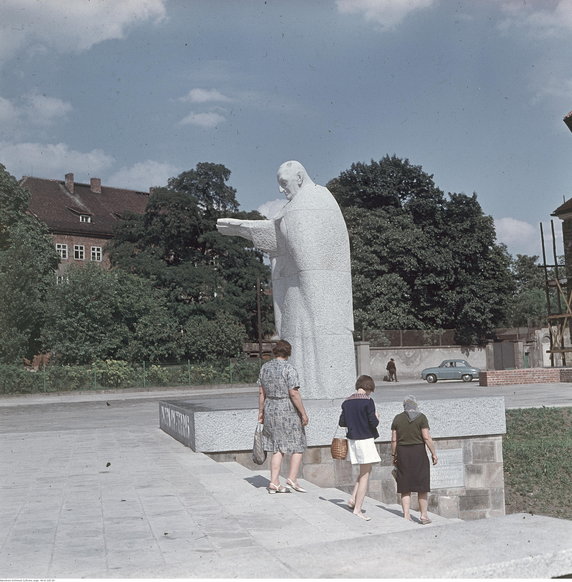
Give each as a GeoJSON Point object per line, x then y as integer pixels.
{"type": "Point", "coordinates": [412, 469]}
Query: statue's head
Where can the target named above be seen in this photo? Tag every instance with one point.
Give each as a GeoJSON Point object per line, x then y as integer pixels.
{"type": "Point", "coordinates": [291, 176]}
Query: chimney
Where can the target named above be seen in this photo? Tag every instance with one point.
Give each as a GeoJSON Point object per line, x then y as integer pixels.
{"type": "Point", "coordinates": [69, 182]}
{"type": "Point", "coordinates": [95, 185]}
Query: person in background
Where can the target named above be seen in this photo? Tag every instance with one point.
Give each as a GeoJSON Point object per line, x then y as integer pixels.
{"type": "Point", "coordinates": [392, 370]}
{"type": "Point", "coordinates": [281, 410]}
{"type": "Point", "coordinates": [361, 420]}
{"type": "Point", "coordinates": [409, 437]}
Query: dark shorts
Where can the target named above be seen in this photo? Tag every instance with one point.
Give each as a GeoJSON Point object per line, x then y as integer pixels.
{"type": "Point", "coordinates": [413, 472]}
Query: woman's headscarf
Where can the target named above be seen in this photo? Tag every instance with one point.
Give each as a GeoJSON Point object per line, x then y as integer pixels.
{"type": "Point", "coordinates": [411, 408]}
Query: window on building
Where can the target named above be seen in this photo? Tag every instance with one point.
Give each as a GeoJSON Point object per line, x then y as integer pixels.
{"type": "Point", "coordinates": [79, 252]}
{"type": "Point", "coordinates": [61, 279]}
{"type": "Point", "coordinates": [84, 218]}
{"type": "Point", "coordinates": [96, 253]}
{"type": "Point", "coordinates": [62, 250]}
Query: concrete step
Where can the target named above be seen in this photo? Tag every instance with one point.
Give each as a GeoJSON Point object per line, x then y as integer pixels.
{"type": "Point", "coordinates": [314, 535]}
{"type": "Point", "coordinates": [327, 507]}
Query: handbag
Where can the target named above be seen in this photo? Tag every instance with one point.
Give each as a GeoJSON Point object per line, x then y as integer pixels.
{"type": "Point", "coordinates": [339, 447]}
{"type": "Point", "coordinates": [258, 452]}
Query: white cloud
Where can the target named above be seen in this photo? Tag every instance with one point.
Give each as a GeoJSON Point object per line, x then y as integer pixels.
{"type": "Point", "coordinates": [43, 110]}
{"type": "Point", "coordinates": [143, 175]}
{"type": "Point", "coordinates": [520, 237]}
{"type": "Point", "coordinates": [8, 112]}
{"type": "Point", "coordinates": [543, 19]}
{"type": "Point", "coordinates": [205, 96]}
{"type": "Point", "coordinates": [70, 26]}
{"type": "Point", "coordinates": [386, 13]}
{"type": "Point", "coordinates": [206, 120]}
{"type": "Point", "coordinates": [272, 208]}
{"type": "Point", "coordinates": [51, 160]}
{"type": "Point", "coordinates": [22, 118]}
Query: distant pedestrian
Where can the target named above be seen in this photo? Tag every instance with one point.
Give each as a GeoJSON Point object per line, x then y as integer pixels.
{"type": "Point", "coordinates": [360, 418]}
{"type": "Point", "coordinates": [409, 437]}
{"type": "Point", "coordinates": [281, 410]}
{"type": "Point", "coordinates": [392, 370]}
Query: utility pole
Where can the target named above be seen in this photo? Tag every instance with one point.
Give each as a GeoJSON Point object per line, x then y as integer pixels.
{"type": "Point", "coordinates": [259, 317]}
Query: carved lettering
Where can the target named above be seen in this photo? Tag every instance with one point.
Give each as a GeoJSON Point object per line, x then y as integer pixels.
{"type": "Point", "coordinates": [176, 421]}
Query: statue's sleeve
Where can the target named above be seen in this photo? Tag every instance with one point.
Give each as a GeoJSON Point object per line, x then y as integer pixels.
{"type": "Point", "coordinates": [264, 235]}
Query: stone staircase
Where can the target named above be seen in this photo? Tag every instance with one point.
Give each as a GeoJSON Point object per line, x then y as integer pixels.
{"type": "Point", "coordinates": [315, 535]}
{"type": "Point", "coordinates": [326, 509]}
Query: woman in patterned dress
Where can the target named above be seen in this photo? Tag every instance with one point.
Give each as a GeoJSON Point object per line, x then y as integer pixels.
{"type": "Point", "coordinates": [281, 410]}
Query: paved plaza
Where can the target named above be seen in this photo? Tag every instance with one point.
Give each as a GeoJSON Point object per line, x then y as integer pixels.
{"type": "Point", "coordinates": [91, 487]}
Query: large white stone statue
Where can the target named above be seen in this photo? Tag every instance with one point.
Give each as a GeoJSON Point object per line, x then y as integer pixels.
{"type": "Point", "coordinates": [309, 251]}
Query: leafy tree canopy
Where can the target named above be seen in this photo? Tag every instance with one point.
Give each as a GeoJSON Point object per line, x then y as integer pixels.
{"type": "Point", "coordinates": [528, 307]}
{"type": "Point", "coordinates": [175, 245]}
{"type": "Point", "coordinates": [27, 264]}
{"type": "Point", "coordinates": [114, 315]}
{"type": "Point", "coordinates": [420, 259]}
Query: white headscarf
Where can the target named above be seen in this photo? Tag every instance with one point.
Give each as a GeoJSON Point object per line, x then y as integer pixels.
{"type": "Point", "coordinates": [411, 408]}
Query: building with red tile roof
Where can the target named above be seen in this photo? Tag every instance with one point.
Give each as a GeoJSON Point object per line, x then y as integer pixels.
{"type": "Point", "coordinates": [81, 217]}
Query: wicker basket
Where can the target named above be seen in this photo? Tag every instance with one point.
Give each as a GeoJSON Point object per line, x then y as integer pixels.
{"type": "Point", "coordinates": [339, 448]}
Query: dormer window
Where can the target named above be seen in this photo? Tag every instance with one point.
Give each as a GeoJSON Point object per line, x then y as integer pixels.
{"type": "Point", "coordinates": [85, 218]}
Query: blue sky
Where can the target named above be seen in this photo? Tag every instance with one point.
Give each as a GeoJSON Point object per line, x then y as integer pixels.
{"type": "Point", "coordinates": [137, 91]}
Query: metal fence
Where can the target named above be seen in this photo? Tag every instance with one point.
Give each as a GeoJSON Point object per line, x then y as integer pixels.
{"type": "Point", "coordinates": [408, 337]}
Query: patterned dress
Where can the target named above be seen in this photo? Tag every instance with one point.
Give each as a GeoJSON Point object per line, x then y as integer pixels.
{"type": "Point", "coordinates": [283, 431]}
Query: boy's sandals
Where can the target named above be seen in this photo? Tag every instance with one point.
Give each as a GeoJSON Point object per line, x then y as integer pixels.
{"type": "Point", "coordinates": [272, 488]}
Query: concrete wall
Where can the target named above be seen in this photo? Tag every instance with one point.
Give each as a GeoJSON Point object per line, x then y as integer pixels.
{"type": "Point", "coordinates": [411, 360]}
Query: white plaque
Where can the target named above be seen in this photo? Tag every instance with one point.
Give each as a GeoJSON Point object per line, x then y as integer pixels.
{"type": "Point", "coordinates": [449, 471]}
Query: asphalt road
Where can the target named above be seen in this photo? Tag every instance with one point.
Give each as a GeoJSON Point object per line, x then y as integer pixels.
{"type": "Point", "coordinates": [85, 410]}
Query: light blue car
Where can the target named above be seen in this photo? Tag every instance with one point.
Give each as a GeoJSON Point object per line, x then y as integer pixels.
{"type": "Point", "coordinates": [451, 370]}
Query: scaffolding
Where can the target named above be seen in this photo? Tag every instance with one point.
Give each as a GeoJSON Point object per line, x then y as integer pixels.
{"type": "Point", "coordinates": [558, 322]}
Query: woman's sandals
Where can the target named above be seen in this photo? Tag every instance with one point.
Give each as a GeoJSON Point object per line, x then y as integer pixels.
{"type": "Point", "coordinates": [290, 484]}
{"type": "Point", "coordinates": [272, 488]}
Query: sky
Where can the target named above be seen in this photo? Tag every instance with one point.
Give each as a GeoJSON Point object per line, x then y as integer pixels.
{"type": "Point", "coordinates": [137, 91]}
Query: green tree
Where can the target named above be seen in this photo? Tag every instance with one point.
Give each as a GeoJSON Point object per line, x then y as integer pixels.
{"type": "Point", "coordinates": [421, 260]}
{"type": "Point", "coordinates": [528, 306]}
{"type": "Point", "coordinates": [98, 314]}
{"type": "Point", "coordinates": [214, 339]}
{"type": "Point", "coordinates": [27, 264]}
{"type": "Point", "coordinates": [176, 246]}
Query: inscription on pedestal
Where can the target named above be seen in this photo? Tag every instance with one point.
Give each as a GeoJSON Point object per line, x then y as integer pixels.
{"type": "Point", "coordinates": [449, 472]}
{"type": "Point", "coordinates": [177, 422]}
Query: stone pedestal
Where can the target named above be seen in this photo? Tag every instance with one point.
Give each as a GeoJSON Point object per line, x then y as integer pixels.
{"type": "Point", "coordinates": [468, 482]}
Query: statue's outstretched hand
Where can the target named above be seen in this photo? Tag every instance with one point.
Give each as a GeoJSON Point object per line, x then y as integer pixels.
{"type": "Point", "coordinates": [233, 227]}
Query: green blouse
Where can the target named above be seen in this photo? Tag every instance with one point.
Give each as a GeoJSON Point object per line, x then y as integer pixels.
{"type": "Point", "coordinates": [409, 433]}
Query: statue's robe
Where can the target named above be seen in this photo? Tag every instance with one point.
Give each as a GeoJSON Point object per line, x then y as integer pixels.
{"type": "Point", "coordinates": [309, 252]}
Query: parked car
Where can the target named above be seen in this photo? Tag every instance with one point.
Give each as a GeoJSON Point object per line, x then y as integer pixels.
{"type": "Point", "coordinates": [450, 370]}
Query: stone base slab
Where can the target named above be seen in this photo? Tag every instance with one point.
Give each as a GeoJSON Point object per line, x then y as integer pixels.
{"type": "Point", "coordinates": [214, 427]}
{"type": "Point", "coordinates": [467, 483]}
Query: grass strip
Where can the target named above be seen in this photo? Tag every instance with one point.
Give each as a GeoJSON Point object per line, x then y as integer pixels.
{"type": "Point", "coordinates": [537, 451]}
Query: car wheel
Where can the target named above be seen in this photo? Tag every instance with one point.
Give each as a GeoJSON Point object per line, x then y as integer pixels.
{"type": "Point", "coordinates": [431, 378]}
{"type": "Point", "coordinates": [466, 377]}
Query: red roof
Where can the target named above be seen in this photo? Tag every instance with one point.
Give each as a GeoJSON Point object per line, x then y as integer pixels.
{"type": "Point", "coordinates": [568, 120]}
{"type": "Point", "coordinates": [565, 208]}
{"type": "Point", "coordinates": [53, 203]}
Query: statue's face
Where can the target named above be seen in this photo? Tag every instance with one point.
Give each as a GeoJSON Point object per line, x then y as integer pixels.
{"type": "Point", "coordinates": [289, 182]}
